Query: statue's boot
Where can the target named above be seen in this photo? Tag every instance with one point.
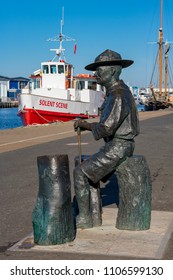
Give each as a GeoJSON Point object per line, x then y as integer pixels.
{"type": "Point", "coordinates": [82, 191]}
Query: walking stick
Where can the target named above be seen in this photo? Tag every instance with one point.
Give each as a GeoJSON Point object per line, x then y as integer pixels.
{"type": "Point", "coordinates": [79, 144]}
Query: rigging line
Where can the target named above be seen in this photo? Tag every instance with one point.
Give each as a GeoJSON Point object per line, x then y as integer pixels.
{"type": "Point", "coordinates": [171, 74]}
{"type": "Point", "coordinates": [155, 12]}
{"type": "Point", "coordinates": [168, 16]}
{"type": "Point", "coordinates": [154, 67]}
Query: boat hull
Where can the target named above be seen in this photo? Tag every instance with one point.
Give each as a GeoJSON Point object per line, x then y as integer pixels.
{"type": "Point", "coordinates": [156, 105]}
{"type": "Point", "coordinates": [34, 117]}
{"type": "Point", "coordinates": [34, 109]}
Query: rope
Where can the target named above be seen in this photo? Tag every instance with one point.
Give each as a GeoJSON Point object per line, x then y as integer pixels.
{"type": "Point", "coordinates": [45, 118]}
{"type": "Point", "coordinates": [41, 116]}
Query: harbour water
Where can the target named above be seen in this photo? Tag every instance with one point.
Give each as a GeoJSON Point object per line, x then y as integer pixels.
{"type": "Point", "coordinates": [9, 118]}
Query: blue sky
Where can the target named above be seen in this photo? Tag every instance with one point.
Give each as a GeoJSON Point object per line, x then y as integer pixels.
{"type": "Point", "coordinates": [124, 26]}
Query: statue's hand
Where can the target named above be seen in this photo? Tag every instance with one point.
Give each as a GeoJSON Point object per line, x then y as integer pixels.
{"type": "Point", "coordinates": [76, 125]}
{"type": "Point", "coordinates": [83, 125]}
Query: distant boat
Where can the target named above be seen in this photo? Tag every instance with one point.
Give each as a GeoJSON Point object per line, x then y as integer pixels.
{"type": "Point", "coordinates": [161, 94]}
{"type": "Point", "coordinates": [135, 92]}
{"type": "Point", "coordinates": [55, 94]}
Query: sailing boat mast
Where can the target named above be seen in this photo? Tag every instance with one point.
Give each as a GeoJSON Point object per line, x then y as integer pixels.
{"type": "Point", "coordinates": [167, 47]}
{"type": "Point", "coordinates": [160, 42]}
{"type": "Point", "coordinates": [161, 94]}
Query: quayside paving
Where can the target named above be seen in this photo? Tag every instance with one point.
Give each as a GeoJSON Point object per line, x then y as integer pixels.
{"type": "Point", "coordinates": [19, 149]}
{"type": "Point", "coordinates": [21, 137]}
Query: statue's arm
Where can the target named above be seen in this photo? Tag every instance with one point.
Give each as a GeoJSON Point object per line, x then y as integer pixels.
{"type": "Point", "coordinates": [114, 114]}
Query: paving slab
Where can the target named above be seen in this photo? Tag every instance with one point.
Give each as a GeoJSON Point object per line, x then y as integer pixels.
{"type": "Point", "coordinates": [108, 241]}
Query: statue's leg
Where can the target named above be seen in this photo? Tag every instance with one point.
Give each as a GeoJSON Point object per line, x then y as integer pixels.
{"type": "Point", "coordinates": [82, 191]}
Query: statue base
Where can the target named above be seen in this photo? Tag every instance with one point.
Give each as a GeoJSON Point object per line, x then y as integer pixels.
{"type": "Point", "coordinates": [135, 192]}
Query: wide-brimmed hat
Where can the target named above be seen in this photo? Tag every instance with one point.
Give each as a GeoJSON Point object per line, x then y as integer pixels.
{"type": "Point", "coordinates": [107, 58]}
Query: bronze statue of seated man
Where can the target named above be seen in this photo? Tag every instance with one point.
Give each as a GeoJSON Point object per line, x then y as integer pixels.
{"type": "Point", "coordinates": [118, 126]}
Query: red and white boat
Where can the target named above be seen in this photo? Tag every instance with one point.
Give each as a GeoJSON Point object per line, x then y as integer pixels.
{"type": "Point", "coordinates": [55, 94]}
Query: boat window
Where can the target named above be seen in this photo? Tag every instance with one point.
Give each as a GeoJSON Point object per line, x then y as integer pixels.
{"type": "Point", "coordinates": [60, 69]}
{"type": "Point", "coordinates": [53, 69]}
{"type": "Point", "coordinates": [68, 70]}
{"type": "Point", "coordinates": [81, 85]}
{"type": "Point", "coordinates": [92, 85]}
{"type": "Point", "coordinates": [45, 69]}
{"type": "Point", "coordinates": [36, 83]}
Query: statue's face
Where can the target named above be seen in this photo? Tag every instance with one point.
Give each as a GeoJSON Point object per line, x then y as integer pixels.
{"type": "Point", "coordinates": [103, 74]}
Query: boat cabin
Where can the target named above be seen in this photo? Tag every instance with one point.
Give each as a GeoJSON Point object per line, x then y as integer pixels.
{"type": "Point", "coordinates": [56, 74]}
{"type": "Point", "coordinates": [59, 75]}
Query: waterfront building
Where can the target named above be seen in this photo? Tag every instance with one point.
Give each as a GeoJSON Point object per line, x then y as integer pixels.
{"type": "Point", "coordinates": [11, 87]}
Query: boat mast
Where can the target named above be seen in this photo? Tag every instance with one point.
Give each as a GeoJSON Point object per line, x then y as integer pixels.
{"type": "Point", "coordinates": [162, 94]}
{"type": "Point", "coordinates": [60, 38]}
{"type": "Point", "coordinates": [166, 69]}
{"type": "Point", "coordinates": [160, 42]}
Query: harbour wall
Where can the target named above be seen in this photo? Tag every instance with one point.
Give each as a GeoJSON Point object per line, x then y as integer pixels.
{"type": "Point", "coordinates": [10, 104]}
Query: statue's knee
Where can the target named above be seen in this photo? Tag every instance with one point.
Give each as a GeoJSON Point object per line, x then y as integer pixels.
{"type": "Point", "coordinates": [77, 171]}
